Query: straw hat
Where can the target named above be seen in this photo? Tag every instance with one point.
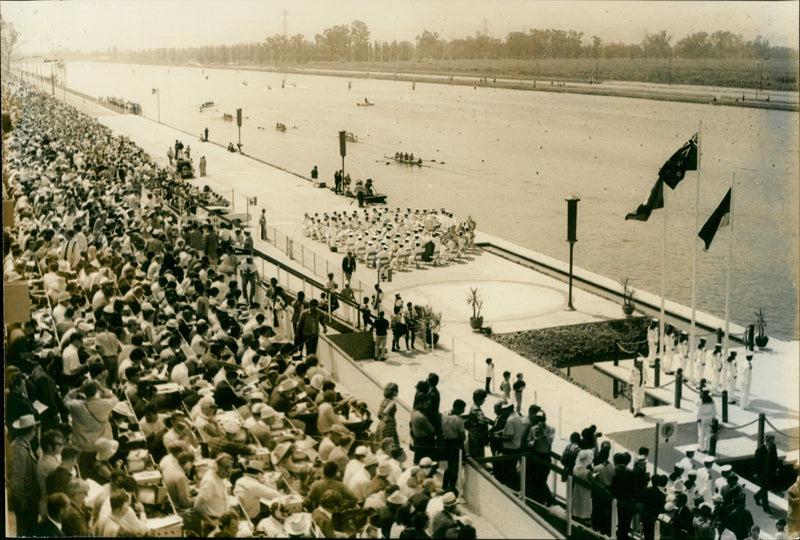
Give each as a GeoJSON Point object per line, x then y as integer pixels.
{"type": "Point", "coordinates": [24, 422]}
{"type": "Point", "coordinates": [297, 524]}
{"type": "Point", "coordinates": [106, 448]}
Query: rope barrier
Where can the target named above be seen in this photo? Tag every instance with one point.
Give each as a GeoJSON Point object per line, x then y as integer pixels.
{"type": "Point", "coordinates": [779, 431]}
{"type": "Point", "coordinates": [742, 426]}
{"type": "Point", "coordinates": [665, 384]}
{"type": "Point", "coordinates": [690, 387]}
{"type": "Point", "coordinates": [623, 349]}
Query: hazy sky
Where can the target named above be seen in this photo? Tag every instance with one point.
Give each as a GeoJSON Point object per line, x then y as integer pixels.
{"type": "Point", "coordinates": [134, 24]}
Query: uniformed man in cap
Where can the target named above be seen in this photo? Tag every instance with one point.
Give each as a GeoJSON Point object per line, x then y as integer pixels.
{"type": "Point", "coordinates": [698, 365]}
{"type": "Point", "coordinates": [716, 369]}
{"type": "Point", "coordinates": [730, 372]}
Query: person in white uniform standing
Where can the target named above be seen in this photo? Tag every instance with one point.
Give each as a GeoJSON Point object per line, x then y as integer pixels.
{"type": "Point", "coordinates": [698, 364]}
{"type": "Point", "coordinates": [715, 382]}
{"type": "Point", "coordinates": [746, 381]}
{"type": "Point", "coordinates": [637, 379]}
{"type": "Point", "coordinates": [731, 374]}
{"type": "Point", "coordinates": [706, 412]}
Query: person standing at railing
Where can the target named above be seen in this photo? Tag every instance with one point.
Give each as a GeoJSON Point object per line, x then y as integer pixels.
{"type": "Point", "coordinates": [477, 426]}
{"type": "Point", "coordinates": [308, 327]}
{"type": "Point", "coordinates": [453, 438]}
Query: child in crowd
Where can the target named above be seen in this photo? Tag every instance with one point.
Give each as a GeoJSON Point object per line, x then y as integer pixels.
{"type": "Point", "coordinates": [505, 386]}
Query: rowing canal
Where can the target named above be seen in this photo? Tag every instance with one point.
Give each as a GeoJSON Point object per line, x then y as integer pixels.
{"type": "Point", "coordinates": [509, 158]}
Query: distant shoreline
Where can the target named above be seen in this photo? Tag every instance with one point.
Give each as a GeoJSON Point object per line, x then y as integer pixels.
{"type": "Point", "coordinates": [659, 92]}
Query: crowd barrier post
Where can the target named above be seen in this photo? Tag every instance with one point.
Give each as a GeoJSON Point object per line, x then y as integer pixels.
{"type": "Point", "coordinates": [678, 387]}
{"type": "Point", "coordinates": [657, 373]}
{"type": "Point", "coordinates": [327, 267]}
{"type": "Point", "coordinates": [453, 349]}
{"type": "Point", "coordinates": [569, 506]}
{"type": "Point", "coordinates": [522, 466]}
{"type": "Point", "coordinates": [554, 474]}
{"type": "Point", "coordinates": [303, 256]}
{"type": "Point", "coordinates": [614, 504]}
{"type": "Point", "coordinates": [474, 358]}
{"type": "Point", "coordinates": [724, 406]}
{"type": "Point", "coordinates": [535, 396]}
{"type": "Point", "coordinates": [559, 421]}
{"type": "Point", "coordinates": [314, 270]}
{"type": "Point", "coordinates": [761, 419]}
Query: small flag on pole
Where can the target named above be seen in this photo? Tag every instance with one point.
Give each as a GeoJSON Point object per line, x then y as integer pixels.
{"type": "Point", "coordinates": [155, 90]}
{"type": "Point", "coordinates": [685, 159]}
{"type": "Point", "coordinates": [653, 202]}
{"type": "Point", "coordinates": [720, 218]}
{"type": "Point", "coordinates": [252, 201]}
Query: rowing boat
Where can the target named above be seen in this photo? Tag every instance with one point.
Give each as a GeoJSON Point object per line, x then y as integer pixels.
{"type": "Point", "coordinates": [417, 162]}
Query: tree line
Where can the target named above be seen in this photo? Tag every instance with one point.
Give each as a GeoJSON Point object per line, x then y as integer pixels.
{"type": "Point", "coordinates": [351, 43]}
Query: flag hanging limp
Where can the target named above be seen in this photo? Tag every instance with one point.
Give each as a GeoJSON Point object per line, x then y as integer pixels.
{"type": "Point", "coordinates": [155, 90]}
{"type": "Point", "coordinates": [685, 159]}
{"type": "Point", "coordinates": [653, 202]}
{"type": "Point", "coordinates": [720, 218]}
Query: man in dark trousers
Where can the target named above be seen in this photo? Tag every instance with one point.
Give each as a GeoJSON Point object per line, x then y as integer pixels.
{"type": "Point", "coordinates": [682, 521]}
{"type": "Point", "coordinates": [314, 176]}
{"type": "Point", "coordinates": [766, 462]}
{"type": "Point", "coordinates": [623, 487]}
{"type": "Point", "coordinates": [337, 181]}
{"type": "Point", "coordinates": [653, 499]}
{"type": "Point", "coordinates": [381, 327]}
{"type": "Point", "coordinates": [205, 134]}
{"type": "Point", "coordinates": [348, 266]}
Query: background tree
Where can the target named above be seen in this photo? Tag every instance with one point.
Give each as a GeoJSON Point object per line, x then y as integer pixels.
{"type": "Point", "coordinates": [657, 45]}
{"type": "Point", "coordinates": [359, 34]}
{"type": "Point", "coordinates": [9, 41]}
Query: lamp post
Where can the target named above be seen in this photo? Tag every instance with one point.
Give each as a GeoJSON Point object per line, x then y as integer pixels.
{"type": "Point", "coordinates": [157, 92]}
{"type": "Point", "coordinates": [572, 219]}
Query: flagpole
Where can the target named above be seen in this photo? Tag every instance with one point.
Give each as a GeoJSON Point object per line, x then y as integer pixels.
{"type": "Point", "coordinates": [694, 240]}
{"type": "Point", "coordinates": [728, 277]}
{"type": "Point", "coordinates": [661, 323]}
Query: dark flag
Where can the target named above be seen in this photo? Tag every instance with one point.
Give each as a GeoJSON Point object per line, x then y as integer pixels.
{"type": "Point", "coordinates": [720, 218]}
{"type": "Point", "coordinates": [685, 159]}
{"type": "Point", "coordinates": [653, 202]}
{"type": "Point", "coordinates": [155, 90]}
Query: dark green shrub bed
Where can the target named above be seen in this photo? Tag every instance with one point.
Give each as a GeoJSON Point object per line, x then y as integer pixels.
{"type": "Point", "coordinates": [575, 345]}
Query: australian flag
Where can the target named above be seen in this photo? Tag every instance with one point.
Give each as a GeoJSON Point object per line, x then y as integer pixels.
{"type": "Point", "coordinates": [685, 159]}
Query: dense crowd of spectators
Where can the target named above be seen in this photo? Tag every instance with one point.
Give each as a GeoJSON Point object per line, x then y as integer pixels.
{"type": "Point", "coordinates": [151, 349]}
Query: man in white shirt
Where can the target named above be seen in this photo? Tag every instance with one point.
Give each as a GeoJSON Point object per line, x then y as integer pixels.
{"type": "Point", "coordinates": [250, 488]}
{"type": "Point", "coordinates": [212, 494]}
{"type": "Point", "coordinates": [123, 520]}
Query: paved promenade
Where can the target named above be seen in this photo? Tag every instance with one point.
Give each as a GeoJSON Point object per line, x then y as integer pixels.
{"type": "Point", "coordinates": [515, 298]}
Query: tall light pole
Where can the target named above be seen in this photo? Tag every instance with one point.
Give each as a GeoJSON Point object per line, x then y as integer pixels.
{"type": "Point", "coordinates": [572, 225]}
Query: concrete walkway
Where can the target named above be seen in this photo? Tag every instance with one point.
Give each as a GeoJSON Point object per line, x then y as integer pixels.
{"type": "Point", "coordinates": [515, 298]}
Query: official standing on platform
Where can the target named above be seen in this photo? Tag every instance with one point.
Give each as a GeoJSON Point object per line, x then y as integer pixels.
{"type": "Point", "coordinates": [746, 381]}
{"type": "Point", "coordinates": [706, 412]}
{"type": "Point", "coordinates": [652, 342]}
{"type": "Point", "coordinates": [637, 380]}
{"type": "Point", "coordinates": [731, 374]}
{"type": "Point", "coordinates": [698, 366]}
{"type": "Point", "coordinates": [714, 384]}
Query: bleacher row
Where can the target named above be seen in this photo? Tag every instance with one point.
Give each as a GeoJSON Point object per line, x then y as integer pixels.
{"type": "Point", "coordinates": [93, 213]}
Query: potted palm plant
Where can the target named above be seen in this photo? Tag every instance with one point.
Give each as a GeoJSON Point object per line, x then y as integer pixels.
{"type": "Point", "coordinates": [628, 296]}
{"type": "Point", "coordinates": [474, 301]}
{"type": "Point", "coordinates": [761, 329]}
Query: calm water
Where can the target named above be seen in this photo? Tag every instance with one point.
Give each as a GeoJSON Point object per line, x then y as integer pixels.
{"type": "Point", "coordinates": [510, 158]}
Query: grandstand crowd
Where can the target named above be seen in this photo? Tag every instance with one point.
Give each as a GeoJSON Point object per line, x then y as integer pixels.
{"type": "Point", "coordinates": [160, 389]}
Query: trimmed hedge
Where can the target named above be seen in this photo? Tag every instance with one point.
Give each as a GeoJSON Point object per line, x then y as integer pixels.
{"type": "Point", "coordinates": [575, 345]}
